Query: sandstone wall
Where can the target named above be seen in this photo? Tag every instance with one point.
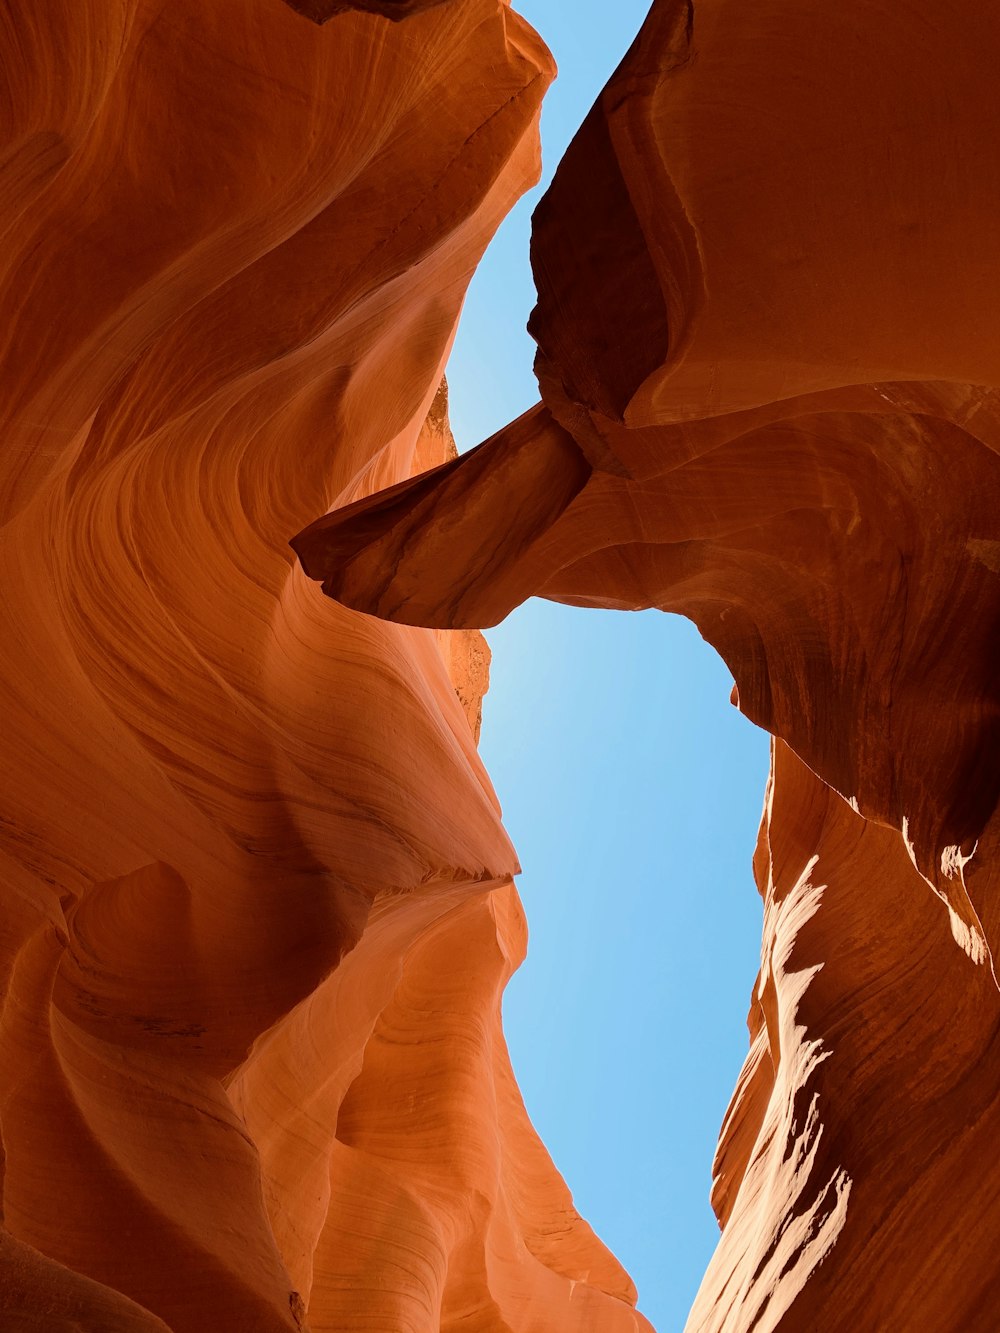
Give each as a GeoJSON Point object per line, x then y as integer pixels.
{"type": "Point", "coordinates": [257, 897]}
{"type": "Point", "coordinates": [767, 272]}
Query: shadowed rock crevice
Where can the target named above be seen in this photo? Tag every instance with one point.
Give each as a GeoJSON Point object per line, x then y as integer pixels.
{"type": "Point", "coordinates": [321, 11]}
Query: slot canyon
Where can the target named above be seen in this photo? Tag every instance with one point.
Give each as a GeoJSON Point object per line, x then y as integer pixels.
{"type": "Point", "coordinates": [259, 904]}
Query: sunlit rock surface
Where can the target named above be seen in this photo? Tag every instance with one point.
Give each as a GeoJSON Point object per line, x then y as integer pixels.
{"type": "Point", "coordinates": [257, 900]}
{"type": "Point", "coordinates": [768, 272]}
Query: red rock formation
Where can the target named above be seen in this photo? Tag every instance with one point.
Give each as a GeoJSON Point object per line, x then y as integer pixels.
{"type": "Point", "coordinates": [258, 909]}
{"type": "Point", "coordinates": [853, 1177]}
{"type": "Point", "coordinates": [767, 274]}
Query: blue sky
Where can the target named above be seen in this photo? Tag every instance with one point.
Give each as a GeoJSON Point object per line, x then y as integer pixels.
{"type": "Point", "coordinates": [632, 790]}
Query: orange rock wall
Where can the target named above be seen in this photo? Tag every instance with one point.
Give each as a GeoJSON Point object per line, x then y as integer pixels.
{"type": "Point", "coordinates": [257, 898]}
{"type": "Point", "coordinates": [258, 909]}
{"type": "Point", "coordinates": [767, 274]}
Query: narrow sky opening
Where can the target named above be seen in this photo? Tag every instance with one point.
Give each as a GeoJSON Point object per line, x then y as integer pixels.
{"type": "Point", "coordinates": [632, 790]}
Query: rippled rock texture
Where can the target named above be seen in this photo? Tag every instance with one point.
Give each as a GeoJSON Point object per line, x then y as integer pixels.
{"type": "Point", "coordinates": [257, 899]}
{"type": "Point", "coordinates": [768, 272]}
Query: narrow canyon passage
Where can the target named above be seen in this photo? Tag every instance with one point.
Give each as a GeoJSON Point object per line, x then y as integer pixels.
{"type": "Point", "coordinates": [632, 791]}
{"type": "Point", "coordinates": [258, 908]}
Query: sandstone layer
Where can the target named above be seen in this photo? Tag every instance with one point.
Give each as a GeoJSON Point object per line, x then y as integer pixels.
{"type": "Point", "coordinates": [257, 899]}
{"type": "Point", "coordinates": [768, 270]}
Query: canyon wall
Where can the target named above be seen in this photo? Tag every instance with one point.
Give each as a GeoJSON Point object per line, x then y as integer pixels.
{"type": "Point", "coordinates": [258, 910]}
{"type": "Point", "coordinates": [258, 907]}
{"type": "Point", "coordinates": [768, 269]}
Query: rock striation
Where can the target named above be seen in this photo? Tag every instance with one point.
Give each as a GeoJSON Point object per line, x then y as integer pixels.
{"type": "Point", "coordinates": [258, 908]}
{"type": "Point", "coordinates": [767, 272]}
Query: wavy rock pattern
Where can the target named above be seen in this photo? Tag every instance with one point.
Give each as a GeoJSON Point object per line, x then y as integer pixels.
{"type": "Point", "coordinates": [258, 909]}
{"type": "Point", "coordinates": [767, 275]}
